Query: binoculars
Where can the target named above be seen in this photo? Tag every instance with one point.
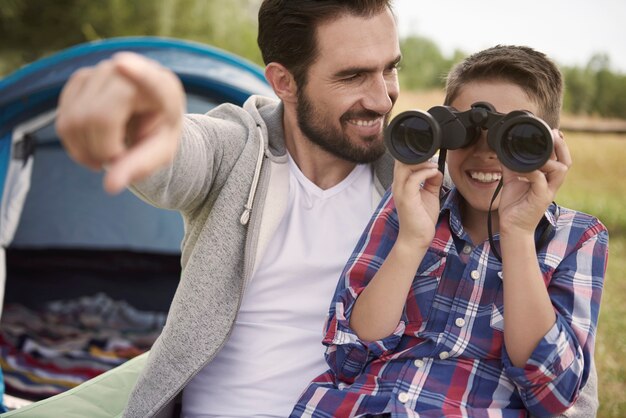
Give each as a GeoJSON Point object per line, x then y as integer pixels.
{"type": "Point", "coordinates": [521, 141]}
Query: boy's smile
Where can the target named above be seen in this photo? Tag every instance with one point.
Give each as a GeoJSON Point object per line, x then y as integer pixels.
{"type": "Point", "coordinates": [485, 177]}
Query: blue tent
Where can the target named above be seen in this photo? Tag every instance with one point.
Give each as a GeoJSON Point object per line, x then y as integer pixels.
{"type": "Point", "coordinates": [60, 233]}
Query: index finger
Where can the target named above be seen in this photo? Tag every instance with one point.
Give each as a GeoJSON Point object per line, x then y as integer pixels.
{"type": "Point", "coordinates": [561, 149]}
{"type": "Point", "coordinates": [556, 169]}
{"type": "Point", "coordinates": [159, 86]}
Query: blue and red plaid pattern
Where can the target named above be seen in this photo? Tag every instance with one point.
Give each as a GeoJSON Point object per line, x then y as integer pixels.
{"type": "Point", "coordinates": [447, 355]}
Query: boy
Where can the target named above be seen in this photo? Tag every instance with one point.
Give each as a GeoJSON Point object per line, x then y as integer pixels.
{"type": "Point", "coordinates": [468, 335]}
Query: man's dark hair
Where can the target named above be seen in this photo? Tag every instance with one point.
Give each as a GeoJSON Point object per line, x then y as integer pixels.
{"type": "Point", "coordinates": [531, 70]}
{"type": "Point", "coordinates": [287, 29]}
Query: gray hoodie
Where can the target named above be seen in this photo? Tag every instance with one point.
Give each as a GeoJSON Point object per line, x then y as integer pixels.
{"type": "Point", "coordinates": [231, 194]}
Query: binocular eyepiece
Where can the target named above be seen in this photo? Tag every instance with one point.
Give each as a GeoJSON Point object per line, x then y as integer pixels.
{"type": "Point", "coordinates": [521, 141]}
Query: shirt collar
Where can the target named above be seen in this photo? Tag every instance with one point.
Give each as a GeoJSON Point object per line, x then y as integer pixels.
{"type": "Point", "coordinates": [452, 204]}
{"type": "Point", "coordinates": [451, 207]}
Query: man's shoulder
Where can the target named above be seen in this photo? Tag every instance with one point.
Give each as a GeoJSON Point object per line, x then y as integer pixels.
{"type": "Point", "coordinates": [253, 106]}
{"type": "Point", "coordinates": [230, 122]}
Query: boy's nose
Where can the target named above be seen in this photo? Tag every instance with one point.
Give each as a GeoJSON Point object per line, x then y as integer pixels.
{"type": "Point", "coordinates": [481, 146]}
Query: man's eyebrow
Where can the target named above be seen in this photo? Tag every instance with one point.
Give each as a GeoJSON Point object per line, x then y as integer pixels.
{"type": "Point", "coordinates": [357, 70]}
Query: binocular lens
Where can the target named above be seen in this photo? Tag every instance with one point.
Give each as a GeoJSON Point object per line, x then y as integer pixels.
{"type": "Point", "coordinates": [526, 146]}
{"type": "Point", "coordinates": [521, 141]}
{"type": "Point", "coordinates": [411, 140]}
{"type": "Point", "coordinates": [417, 135]}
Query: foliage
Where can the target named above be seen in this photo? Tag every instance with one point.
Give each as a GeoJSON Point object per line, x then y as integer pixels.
{"type": "Point", "coordinates": [423, 66]}
{"type": "Point", "coordinates": [595, 89]}
{"type": "Point", "coordinates": [30, 29]}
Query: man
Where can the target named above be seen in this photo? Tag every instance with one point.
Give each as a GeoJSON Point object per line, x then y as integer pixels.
{"type": "Point", "coordinates": [274, 197]}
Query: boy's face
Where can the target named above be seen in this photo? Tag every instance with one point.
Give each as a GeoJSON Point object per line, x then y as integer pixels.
{"type": "Point", "coordinates": [476, 170]}
{"type": "Point", "coordinates": [352, 86]}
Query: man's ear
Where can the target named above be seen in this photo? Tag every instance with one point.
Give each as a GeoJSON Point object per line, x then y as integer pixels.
{"type": "Point", "coordinates": [282, 82]}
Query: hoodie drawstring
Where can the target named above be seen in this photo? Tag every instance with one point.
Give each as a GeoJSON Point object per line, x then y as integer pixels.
{"type": "Point", "coordinates": [245, 216]}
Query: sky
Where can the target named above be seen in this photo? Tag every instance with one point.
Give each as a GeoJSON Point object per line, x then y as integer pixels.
{"type": "Point", "coordinates": [568, 31]}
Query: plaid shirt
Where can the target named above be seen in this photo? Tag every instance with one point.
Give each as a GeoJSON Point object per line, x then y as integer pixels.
{"type": "Point", "coordinates": [447, 355]}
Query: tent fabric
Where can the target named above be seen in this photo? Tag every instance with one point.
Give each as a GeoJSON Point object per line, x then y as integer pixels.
{"type": "Point", "coordinates": [201, 68]}
{"type": "Point", "coordinates": [34, 168]}
{"type": "Point", "coordinates": [18, 173]}
{"type": "Point", "coordinates": [99, 221]}
{"type": "Point", "coordinates": [205, 71]}
{"type": "Point", "coordinates": [50, 205]}
{"type": "Point", "coordinates": [104, 396]}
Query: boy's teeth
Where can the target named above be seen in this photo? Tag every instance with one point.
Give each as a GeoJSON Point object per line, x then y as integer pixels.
{"type": "Point", "coordinates": [485, 177]}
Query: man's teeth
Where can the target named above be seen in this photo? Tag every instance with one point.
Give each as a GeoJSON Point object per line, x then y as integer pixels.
{"type": "Point", "coordinates": [361, 122]}
{"type": "Point", "coordinates": [485, 177]}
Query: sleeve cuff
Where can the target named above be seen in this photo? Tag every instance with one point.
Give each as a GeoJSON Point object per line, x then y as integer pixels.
{"type": "Point", "coordinates": [348, 355]}
{"type": "Point", "coordinates": [345, 337]}
{"type": "Point", "coordinates": [555, 354]}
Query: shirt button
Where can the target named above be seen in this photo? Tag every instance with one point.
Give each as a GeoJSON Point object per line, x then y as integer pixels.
{"type": "Point", "coordinates": [418, 363]}
{"type": "Point", "coordinates": [459, 322]}
{"type": "Point", "coordinates": [467, 249]}
{"type": "Point", "coordinates": [444, 355]}
{"type": "Point", "coordinates": [403, 397]}
{"type": "Point", "coordinates": [475, 274]}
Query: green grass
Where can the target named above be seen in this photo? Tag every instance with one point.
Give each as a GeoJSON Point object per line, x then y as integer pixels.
{"type": "Point", "coordinates": [611, 341]}
{"type": "Point", "coordinates": [596, 184]}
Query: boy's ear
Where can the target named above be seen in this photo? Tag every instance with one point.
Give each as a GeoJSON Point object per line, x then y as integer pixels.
{"type": "Point", "coordinates": [282, 82]}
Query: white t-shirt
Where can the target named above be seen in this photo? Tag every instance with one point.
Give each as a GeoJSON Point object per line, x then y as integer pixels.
{"type": "Point", "coordinates": [275, 347]}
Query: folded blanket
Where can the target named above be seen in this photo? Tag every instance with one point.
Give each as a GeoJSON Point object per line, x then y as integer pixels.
{"type": "Point", "coordinates": [48, 351]}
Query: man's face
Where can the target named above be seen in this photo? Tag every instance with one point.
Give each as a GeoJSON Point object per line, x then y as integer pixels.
{"type": "Point", "coordinates": [351, 87]}
{"type": "Point", "coordinates": [476, 170]}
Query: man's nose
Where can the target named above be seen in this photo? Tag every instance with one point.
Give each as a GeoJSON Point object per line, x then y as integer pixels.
{"type": "Point", "coordinates": [380, 95]}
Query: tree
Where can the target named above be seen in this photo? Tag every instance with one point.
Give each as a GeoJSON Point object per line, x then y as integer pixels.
{"type": "Point", "coordinates": [423, 66]}
{"type": "Point", "coordinates": [595, 89]}
{"type": "Point", "coordinates": [31, 29]}
{"type": "Point", "coordinates": [579, 90]}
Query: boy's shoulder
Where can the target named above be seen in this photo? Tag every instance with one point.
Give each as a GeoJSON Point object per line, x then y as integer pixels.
{"type": "Point", "coordinates": [576, 236]}
{"type": "Point", "coordinates": [571, 218]}
{"type": "Point", "coordinates": [573, 227]}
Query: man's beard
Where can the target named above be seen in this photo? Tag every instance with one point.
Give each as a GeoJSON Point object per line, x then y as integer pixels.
{"type": "Point", "coordinates": [333, 140]}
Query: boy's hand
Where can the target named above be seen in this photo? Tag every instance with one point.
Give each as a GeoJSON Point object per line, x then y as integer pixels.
{"type": "Point", "coordinates": [416, 195]}
{"type": "Point", "coordinates": [526, 196]}
{"type": "Point", "coordinates": [124, 114]}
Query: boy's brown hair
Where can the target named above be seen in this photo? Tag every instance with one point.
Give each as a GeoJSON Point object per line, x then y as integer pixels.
{"type": "Point", "coordinates": [531, 70]}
